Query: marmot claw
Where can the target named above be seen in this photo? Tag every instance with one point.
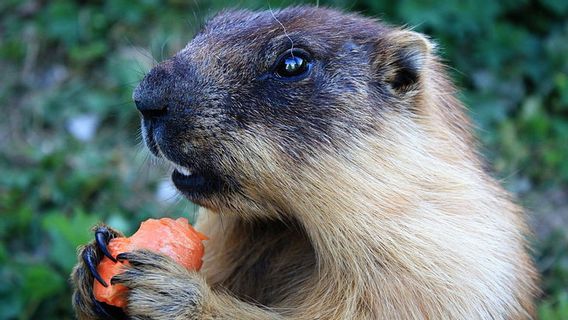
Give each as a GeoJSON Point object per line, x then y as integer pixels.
{"type": "Point", "coordinates": [102, 237]}
{"type": "Point", "coordinates": [89, 257]}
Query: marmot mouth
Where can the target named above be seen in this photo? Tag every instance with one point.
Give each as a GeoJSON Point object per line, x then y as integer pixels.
{"type": "Point", "coordinates": [198, 184]}
{"type": "Point", "coordinates": [195, 184]}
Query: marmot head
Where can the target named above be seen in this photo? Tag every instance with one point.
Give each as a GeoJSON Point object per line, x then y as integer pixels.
{"type": "Point", "coordinates": [256, 94]}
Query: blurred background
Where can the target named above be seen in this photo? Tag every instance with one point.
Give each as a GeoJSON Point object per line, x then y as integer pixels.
{"type": "Point", "coordinates": [71, 153]}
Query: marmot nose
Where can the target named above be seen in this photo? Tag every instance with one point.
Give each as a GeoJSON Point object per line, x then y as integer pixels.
{"type": "Point", "coordinates": [151, 109]}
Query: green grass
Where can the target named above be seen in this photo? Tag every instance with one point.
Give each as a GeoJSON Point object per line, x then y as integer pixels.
{"type": "Point", "coordinates": [64, 63]}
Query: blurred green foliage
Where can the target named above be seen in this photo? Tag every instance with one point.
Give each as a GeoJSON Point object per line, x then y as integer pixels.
{"type": "Point", "coordinates": [70, 65]}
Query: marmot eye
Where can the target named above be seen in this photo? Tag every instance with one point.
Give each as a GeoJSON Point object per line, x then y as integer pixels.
{"type": "Point", "coordinates": [292, 65]}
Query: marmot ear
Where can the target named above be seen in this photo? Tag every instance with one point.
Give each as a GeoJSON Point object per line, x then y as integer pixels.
{"type": "Point", "coordinates": [401, 58]}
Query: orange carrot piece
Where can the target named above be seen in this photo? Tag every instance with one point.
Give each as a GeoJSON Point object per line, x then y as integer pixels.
{"type": "Point", "coordinates": [174, 238]}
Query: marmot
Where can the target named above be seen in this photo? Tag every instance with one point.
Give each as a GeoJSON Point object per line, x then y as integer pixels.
{"type": "Point", "coordinates": [338, 175]}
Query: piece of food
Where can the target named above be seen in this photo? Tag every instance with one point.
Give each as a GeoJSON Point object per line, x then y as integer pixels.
{"type": "Point", "coordinates": [174, 238]}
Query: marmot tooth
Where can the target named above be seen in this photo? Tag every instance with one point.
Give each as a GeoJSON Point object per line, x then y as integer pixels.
{"type": "Point", "coordinates": [183, 170]}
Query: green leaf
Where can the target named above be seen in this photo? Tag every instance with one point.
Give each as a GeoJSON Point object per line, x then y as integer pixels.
{"type": "Point", "coordinates": [40, 282]}
{"type": "Point", "coordinates": [66, 235]}
{"type": "Point", "coordinates": [88, 53]}
{"type": "Point", "coordinates": [60, 22]}
{"type": "Point", "coordinates": [556, 6]}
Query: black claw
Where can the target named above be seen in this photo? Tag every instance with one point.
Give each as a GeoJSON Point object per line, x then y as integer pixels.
{"type": "Point", "coordinates": [128, 256]}
{"type": "Point", "coordinates": [89, 259]}
{"type": "Point", "coordinates": [119, 278]}
{"type": "Point", "coordinates": [122, 256]}
{"type": "Point", "coordinates": [102, 236]}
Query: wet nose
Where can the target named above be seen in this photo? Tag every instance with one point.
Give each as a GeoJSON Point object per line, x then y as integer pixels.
{"type": "Point", "coordinates": [151, 94]}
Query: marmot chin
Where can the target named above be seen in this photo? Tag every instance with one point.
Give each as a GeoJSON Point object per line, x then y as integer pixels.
{"type": "Point", "coordinates": [338, 175]}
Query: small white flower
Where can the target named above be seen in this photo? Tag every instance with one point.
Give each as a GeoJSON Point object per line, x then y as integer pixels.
{"type": "Point", "coordinates": [83, 127]}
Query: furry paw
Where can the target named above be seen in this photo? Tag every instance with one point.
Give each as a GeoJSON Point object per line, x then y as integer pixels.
{"type": "Point", "coordinates": [85, 272]}
{"type": "Point", "coordinates": [160, 288]}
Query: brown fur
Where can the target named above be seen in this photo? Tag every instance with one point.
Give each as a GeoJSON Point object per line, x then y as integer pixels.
{"type": "Point", "coordinates": [384, 214]}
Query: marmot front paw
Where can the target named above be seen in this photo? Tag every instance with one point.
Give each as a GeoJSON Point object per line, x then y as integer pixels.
{"type": "Point", "coordinates": [159, 288]}
{"type": "Point", "coordinates": [84, 273]}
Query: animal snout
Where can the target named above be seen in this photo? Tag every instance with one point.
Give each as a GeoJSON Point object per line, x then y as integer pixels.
{"type": "Point", "coordinates": [153, 95]}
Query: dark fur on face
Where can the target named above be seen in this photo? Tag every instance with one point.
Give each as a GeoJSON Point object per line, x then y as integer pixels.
{"type": "Point", "coordinates": [222, 88]}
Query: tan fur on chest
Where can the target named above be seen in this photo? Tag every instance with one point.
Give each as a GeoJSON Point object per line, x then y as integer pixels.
{"type": "Point", "coordinates": [395, 227]}
{"type": "Point", "coordinates": [264, 263]}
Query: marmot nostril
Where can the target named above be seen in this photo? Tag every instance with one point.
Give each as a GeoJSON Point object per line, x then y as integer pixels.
{"type": "Point", "coordinates": [151, 110]}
